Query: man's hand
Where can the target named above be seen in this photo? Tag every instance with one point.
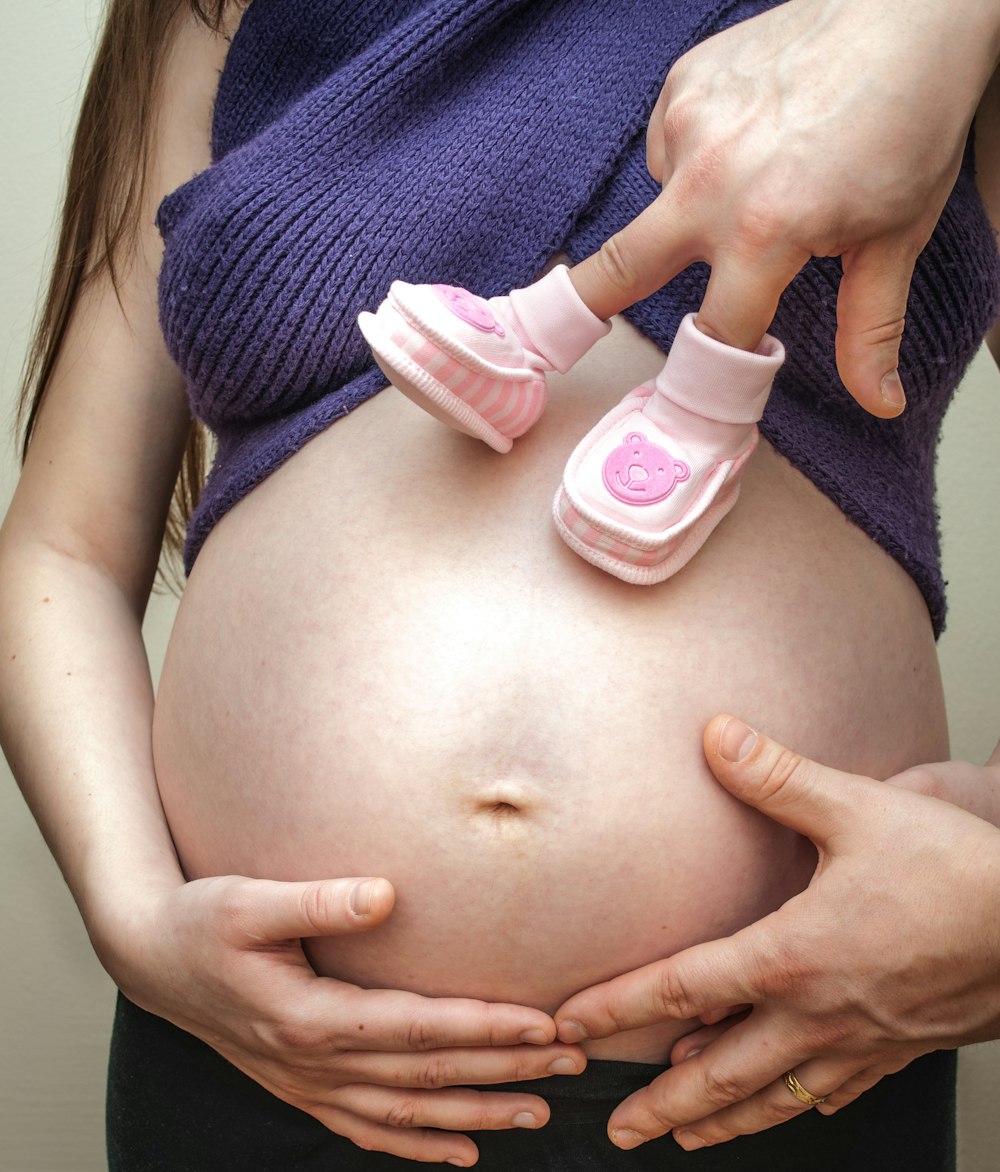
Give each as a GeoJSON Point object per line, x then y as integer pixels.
{"type": "Point", "coordinates": [892, 951]}
{"type": "Point", "coordinates": [818, 128]}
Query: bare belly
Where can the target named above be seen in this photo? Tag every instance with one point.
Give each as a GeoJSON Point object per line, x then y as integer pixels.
{"type": "Point", "coordinates": [386, 663]}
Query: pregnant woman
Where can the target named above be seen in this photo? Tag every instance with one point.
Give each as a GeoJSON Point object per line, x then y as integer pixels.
{"type": "Point", "coordinates": [385, 663]}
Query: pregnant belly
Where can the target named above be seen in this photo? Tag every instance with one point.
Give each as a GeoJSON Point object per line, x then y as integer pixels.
{"type": "Point", "coordinates": [406, 674]}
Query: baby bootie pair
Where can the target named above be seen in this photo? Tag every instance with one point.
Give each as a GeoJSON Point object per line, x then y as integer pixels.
{"type": "Point", "coordinates": [646, 486]}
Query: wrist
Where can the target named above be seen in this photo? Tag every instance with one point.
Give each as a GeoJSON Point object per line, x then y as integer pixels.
{"type": "Point", "coordinates": [967, 31]}
{"type": "Point", "coordinates": [956, 41]}
{"type": "Point", "coordinates": [119, 916]}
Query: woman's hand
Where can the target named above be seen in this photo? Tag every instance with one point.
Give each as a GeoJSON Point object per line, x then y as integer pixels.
{"type": "Point", "coordinates": [222, 958]}
{"type": "Point", "coordinates": [892, 951]}
{"type": "Point", "coordinates": [818, 128]}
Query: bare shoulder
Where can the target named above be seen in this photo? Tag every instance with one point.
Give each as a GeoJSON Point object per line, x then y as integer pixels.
{"type": "Point", "coordinates": [186, 98]}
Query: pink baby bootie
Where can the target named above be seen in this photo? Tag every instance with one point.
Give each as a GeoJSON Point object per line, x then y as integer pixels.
{"type": "Point", "coordinates": [645, 487]}
{"type": "Point", "coordinates": [480, 365]}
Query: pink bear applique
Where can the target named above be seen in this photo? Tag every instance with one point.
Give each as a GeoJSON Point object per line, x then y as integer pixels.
{"type": "Point", "coordinates": [638, 472]}
{"type": "Point", "coordinates": [470, 309]}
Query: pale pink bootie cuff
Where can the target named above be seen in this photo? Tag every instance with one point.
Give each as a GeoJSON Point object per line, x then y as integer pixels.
{"type": "Point", "coordinates": [557, 324]}
{"type": "Point", "coordinates": [717, 381]}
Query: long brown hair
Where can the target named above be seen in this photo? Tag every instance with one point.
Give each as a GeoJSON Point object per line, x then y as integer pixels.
{"type": "Point", "coordinates": [102, 203]}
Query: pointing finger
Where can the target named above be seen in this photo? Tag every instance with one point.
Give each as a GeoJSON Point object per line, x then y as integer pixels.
{"type": "Point", "coordinates": [637, 260]}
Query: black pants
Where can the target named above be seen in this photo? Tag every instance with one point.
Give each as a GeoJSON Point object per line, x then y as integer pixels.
{"type": "Point", "coordinates": [175, 1106]}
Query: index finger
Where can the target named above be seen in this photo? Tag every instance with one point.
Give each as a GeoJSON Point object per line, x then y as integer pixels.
{"type": "Point", "coordinates": [707, 977]}
{"type": "Point", "coordinates": [639, 258]}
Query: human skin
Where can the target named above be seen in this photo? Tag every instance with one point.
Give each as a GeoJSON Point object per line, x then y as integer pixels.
{"type": "Point", "coordinates": [508, 735]}
{"type": "Point", "coordinates": [841, 997]}
{"type": "Point", "coordinates": [735, 140]}
{"type": "Point", "coordinates": [221, 958]}
{"type": "Point", "coordinates": [188, 810]}
{"type": "Point", "coordinates": [818, 128]}
{"type": "Point", "coordinates": [103, 818]}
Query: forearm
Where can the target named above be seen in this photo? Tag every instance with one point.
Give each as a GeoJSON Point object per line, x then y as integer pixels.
{"type": "Point", "coordinates": [75, 721]}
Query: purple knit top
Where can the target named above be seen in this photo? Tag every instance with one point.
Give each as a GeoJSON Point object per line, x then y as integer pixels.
{"type": "Point", "coordinates": [466, 142]}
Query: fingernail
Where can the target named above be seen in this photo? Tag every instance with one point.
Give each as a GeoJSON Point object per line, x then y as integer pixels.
{"type": "Point", "coordinates": [626, 1140]}
{"type": "Point", "coordinates": [571, 1031]}
{"type": "Point", "coordinates": [360, 897]}
{"type": "Point", "coordinates": [456, 1161]}
{"type": "Point", "coordinates": [692, 1053]}
{"type": "Point", "coordinates": [536, 1037]}
{"type": "Point", "coordinates": [563, 1066]}
{"type": "Point", "coordinates": [689, 1141]}
{"type": "Point", "coordinates": [892, 390]}
{"type": "Point", "coordinates": [736, 740]}
{"type": "Point", "coordinates": [524, 1119]}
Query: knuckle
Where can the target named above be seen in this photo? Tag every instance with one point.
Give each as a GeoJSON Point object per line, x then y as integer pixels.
{"type": "Point", "coordinates": [293, 1034]}
{"type": "Point", "coordinates": [782, 1109]}
{"type": "Point", "coordinates": [921, 780]}
{"type": "Point", "coordinates": [482, 1121]}
{"type": "Point", "coordinates": [784, 768]}
{"type": "Point", "coordinates": [861, 332]}
{"type": "Point", "coordinates": [481, 1117]}
{"type": "Point", "coordinates": [365, 1140]}
{"type": "Point", "coordinates": [677, 117]}
{"type": "Point", "coordinates": [230, 907]}
{"type": "Point", "coordinates": [288, 1084]}
{"type": "Point", "coordinates": [616, 262]}
{"type": "Point", "coordinates": [787, 766]}
{"type": "Point", "coordinates": [315, 904]}
{"type": "Point", "coordinates": [887, 332]}
{"type": "Point", "coordinates": [419, 1033]}
{"type": "Point", "coordinates": [785, 967]}
{"type": "Point", "coordinates": [671, 997]}
{"type": "Point", "coordinates": [760, 227]}
{"type": "Point", "coordinates": [524, 1069]}
{"type": "Point", "coordinates": [497, 1032]}
{"type": "Point", "coordinates": [435, 1072]}
{"type": "Point", "coordinates": [402, 1112]}
{"type": "Point", "coordinates": [723, 1088]}
{"type": "Point", "coordinates": [697, 182]}
{"type": "Point", "coordinates": [833, 1032]}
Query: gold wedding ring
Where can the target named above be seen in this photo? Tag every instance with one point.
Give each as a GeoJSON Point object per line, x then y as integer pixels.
{"type": "Point", "coordinates": [800, 1092]}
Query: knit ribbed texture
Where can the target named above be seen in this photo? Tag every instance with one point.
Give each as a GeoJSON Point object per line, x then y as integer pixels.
{"type": "Point", "coordinates": [465, 142]}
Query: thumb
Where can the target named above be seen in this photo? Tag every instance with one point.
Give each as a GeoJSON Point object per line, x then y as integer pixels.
{"type": "Point", "coordinates": [809, 798]}
{"type": "Point", "coordinates": [325, 907]}
{"type": "Point", "coordinates": [871, 311]}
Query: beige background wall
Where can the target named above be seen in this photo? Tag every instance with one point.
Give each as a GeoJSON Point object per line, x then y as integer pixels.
{"type": "Point", "coordinates": [55, 1001]}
